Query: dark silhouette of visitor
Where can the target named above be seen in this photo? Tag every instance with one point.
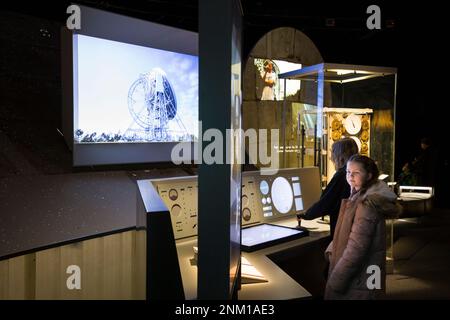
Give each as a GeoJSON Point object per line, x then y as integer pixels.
{"type": "Point", "coordinates": [407, 177]}
{"type": "Point", "coordinates": [425, 164]}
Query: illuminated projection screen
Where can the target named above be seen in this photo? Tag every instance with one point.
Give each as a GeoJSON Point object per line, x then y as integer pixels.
{"type": "Point", "coordinates": [130, 90]}
{"type": "Point", "coordinates": [128, 93]}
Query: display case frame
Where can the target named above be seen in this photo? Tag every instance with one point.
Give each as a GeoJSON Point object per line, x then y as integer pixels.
{"type": "Point", "coordinates": [341, 88]}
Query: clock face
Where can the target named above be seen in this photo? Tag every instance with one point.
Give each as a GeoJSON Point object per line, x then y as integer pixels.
{"type": "Point", "coordinates": [352, 123]}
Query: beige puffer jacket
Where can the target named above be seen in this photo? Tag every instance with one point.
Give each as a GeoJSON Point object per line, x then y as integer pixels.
{"type": "Point", "coordinates": [360, 242]}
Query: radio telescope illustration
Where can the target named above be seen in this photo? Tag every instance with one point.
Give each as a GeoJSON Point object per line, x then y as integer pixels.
{"type": "Point", "coordinates": [152, 104]}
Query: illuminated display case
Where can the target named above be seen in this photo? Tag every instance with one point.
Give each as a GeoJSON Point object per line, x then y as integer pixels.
{"type": "Point", "coordinates": [335, 101]}
{"type": "Point", "coordinates": [345, 122]}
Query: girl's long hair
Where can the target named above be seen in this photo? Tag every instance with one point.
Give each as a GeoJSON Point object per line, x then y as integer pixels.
{"type": "Point", "coordinates": [342, 150]}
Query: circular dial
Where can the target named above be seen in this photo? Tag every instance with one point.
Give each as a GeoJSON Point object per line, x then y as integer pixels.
{"type": "Point", "coordinates": [264, 201]}
{"type": "Point", "coordinates": [246, 214]}
{"type": "Point", "coordinates": [173, 194]}
{"type": "Point", "coordinates": [352, 123]}
{"type": "Point", "coordinates": [269, 201]}
{"type": "Point", "coordinates": [264, 187]}
{"type": "Point", "coordinates": [176, 210]}
{"type": "Point", "coordinates": [282, 195]}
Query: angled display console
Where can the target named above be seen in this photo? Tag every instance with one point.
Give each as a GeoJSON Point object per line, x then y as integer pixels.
{"type": "Point", "coordinates": [269, 207]}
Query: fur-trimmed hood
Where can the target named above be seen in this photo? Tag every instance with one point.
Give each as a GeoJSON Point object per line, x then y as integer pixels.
{"type": "Point", "coordinates": [383, 199]}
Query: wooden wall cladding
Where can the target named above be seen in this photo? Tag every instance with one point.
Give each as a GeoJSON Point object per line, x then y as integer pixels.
{"type": "Point", "coordinates": [112, 267]}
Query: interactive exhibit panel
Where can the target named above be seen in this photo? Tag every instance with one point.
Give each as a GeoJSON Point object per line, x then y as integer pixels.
{"type": "Point", "coordinates": [130, 89]}
{"type": "Point", "coordinates": [265, 199]}
{"type": "Point", "coordinates": [171, 211]}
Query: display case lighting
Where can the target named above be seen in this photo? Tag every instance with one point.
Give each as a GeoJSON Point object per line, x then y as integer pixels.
{"type": "Point", "coordinates": [342, 72]}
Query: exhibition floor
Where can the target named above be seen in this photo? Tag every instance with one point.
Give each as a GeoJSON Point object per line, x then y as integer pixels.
{"type": "Point", "coordinates": [422, 258]}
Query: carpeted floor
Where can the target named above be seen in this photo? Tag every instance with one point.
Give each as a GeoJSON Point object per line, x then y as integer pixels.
{"type": "Point", "coordinates": [421, 258]}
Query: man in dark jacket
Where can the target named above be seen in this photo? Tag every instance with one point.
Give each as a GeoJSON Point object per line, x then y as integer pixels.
{"type": "Point", "coordinates": [425, 164]}
{"type": "Point", "coordinates": [338, 188]}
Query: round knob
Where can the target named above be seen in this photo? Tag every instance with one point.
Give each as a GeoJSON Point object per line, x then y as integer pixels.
{"type": "Point", "coordinates": [176, 210]}
{"type": "Point", "coordinates": [246, 214]}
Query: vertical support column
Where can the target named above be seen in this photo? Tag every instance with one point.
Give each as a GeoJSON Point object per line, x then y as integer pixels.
{"type": "Point", "coordinates": [320, 128]}
{"type": "Point", "coordinates": [392, 173]}
{"type": "Point", "coordinates": [283, 125]}
{"type": "Point", "coordinates": [219, 182]}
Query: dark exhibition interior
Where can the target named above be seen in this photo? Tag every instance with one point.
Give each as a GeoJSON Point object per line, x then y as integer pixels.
{"type": "Point", "coordinates": [114, 114]}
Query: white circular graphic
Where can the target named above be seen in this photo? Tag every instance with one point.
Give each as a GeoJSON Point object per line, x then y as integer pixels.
{"type": "Point", "coordinates": [264, 201]}
{"type": "Point", "coordinates": [282, 195]}
{"type": "Point", "coordinates": [269, 201]}
{"type": "Point", "coordinates": [358, 142]}
{"type": "Point", "coordinates": [264, 187]}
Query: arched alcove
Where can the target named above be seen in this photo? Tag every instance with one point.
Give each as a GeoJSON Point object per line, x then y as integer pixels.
{"type": "Point", "coordinates": [291, 49]}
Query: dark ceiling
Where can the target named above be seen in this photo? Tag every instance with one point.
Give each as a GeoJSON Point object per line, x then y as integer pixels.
{"type": "Point", "coordinates": [338, 28]}
{"type": "Point", "coordinates": [325, 23]}
{"type": "Point", "coordinates": [183, 13]}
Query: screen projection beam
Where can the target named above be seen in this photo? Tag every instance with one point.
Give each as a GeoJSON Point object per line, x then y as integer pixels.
{"type": "Point", "coordinates": [112, 26]}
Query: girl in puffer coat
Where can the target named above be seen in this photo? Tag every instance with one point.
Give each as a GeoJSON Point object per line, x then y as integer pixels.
{"type": "Point", "coordinates": [357, 254]}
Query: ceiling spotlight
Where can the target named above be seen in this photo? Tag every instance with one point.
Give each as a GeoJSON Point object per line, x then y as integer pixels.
{"type": "Point", "coordinates": [44, 33]}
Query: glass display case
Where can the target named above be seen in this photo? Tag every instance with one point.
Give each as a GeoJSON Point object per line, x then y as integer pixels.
{"type": "Point", "coordinates": [335, 101]}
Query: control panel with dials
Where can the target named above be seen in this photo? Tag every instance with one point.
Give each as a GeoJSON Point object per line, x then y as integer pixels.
{"type": "Point", "coordinates": [265, 197]}
{"type": "Point", "coordinates": [180, 196]}
{"type": "Point", "coordinates": [270, 196]}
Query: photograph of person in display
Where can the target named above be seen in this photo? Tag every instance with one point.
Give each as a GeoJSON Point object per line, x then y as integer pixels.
{"type": "Point", "coordinates": [269, 77]}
